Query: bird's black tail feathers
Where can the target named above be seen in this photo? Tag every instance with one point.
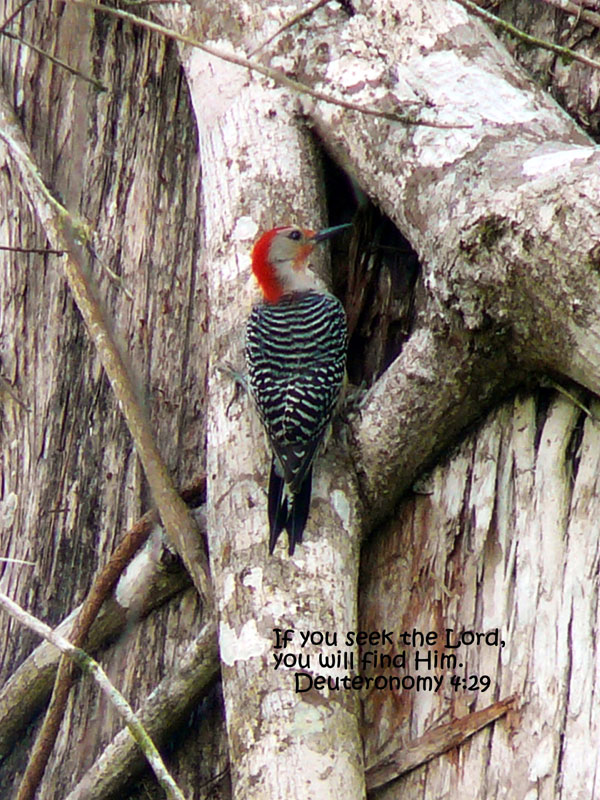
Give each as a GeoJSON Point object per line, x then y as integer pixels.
{"type": "Point", "coordinates": [281, 515]}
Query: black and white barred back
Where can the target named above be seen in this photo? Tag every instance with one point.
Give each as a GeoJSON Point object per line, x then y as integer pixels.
{"type": "Point", "coordinates": [296, 358]}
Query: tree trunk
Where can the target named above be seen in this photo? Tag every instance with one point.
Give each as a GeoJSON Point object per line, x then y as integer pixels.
{"type": "Point", "coordinates": [319, 748]}
{"type": "Point", "coordinates": [506, 540]}
{"type": "Point", "coordinates": [126, 161]}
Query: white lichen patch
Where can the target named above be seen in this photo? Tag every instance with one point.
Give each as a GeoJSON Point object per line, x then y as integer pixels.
{"type": "Point", "coordinates": [245, 229]}
{"type": "Point", "coordinates": [243, 646]}
{"type": "Point", "coordinates": [254, 578]}
{"type": "Point", "coordinates": [340, 503]}
{"type": "Point", "coordinates": [352, 74]}
{"type": "Point", "coordinates": [228, 588]}
{"type": "Point", "coordinates": [307, 719]}
{"type": "Point", "coordinates": [545, 217]}
{"type": "Point", "coordinates": [438, 147]}
{"type": "Point", "coordinates": [495, 98]}
{"type": "Point", "coordinates": [556, 160]}
{"type": "Point", "coordinates": [275, 704]}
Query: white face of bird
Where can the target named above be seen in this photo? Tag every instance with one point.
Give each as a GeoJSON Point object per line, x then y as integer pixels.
{"type": "Point", "coordinates": [290, 247]}
{"type": "Point", "coordinates": [280, 256]}
{"type": "Point", "coordinates": [288, 255]}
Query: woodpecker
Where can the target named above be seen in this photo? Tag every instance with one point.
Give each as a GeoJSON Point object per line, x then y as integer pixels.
{"type": "Point", "coordinates": [296, 342]}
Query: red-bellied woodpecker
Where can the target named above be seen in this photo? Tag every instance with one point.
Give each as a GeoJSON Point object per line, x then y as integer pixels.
{"type": "Point", "coordinates": [296, 356]}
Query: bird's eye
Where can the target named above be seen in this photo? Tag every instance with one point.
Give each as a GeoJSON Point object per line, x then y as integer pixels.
{"type": "Point", "coordinates": [295, 235]}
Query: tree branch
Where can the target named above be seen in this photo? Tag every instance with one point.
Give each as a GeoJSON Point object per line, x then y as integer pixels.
{"type": "Point", "coordinates": [145, 586]}
{"type": "Point", "coordinates": [421, 404]}
{"type": "Point", "coordinates": [101, 587]}
{"type": "Point", "coordinates": [275, 75]}
{"type": "Point", "coordinates": [163, 712]}
{"type": "Point", "coordinates": [499, 216]}
{"type": "Point", "coordinates": [92, 668]}
{"type": "Point", "coordinates": [583, 14]}
{"type": "Point", "coordinates": [434, 743]}
{"type": "Point", "coordinates": [507, 27]}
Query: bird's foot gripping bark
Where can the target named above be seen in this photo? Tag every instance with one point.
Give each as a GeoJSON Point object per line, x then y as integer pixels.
{"type": "Point", "coordinates": [239, 378]}
{"type": "Point", "coordinates": [354, 399]}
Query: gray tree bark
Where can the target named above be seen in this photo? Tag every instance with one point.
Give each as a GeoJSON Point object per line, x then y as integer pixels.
{"type": "Point", "coordinates": [126, 161]}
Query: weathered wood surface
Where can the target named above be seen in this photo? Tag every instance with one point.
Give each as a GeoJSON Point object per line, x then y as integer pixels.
{"type": "Point", "coordinates": [71, 483]}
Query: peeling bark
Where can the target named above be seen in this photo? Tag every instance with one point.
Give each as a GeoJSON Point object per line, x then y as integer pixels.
{"type": "Point", "coordinates": [506, 538]}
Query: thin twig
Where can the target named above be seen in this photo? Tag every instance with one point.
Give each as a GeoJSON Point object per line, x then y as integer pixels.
{"type": "Point", "coordinates": [14, 15]}
{"type": "Point", "coordinates": [565, 52]}
{"type": "Point", "coordinates": [101, 587]}
{"type": "Point", "coordinates": [549, 382]}
{"type": "Point", "coordinates": [583, 14]}
{"type": "Point", "coordinates": [91, 667]}
{"type": "Point", "coordinates": [42, 251]}
{"type": "Point", "coordinates": [95, 83]}
{"type": "Point", "coordinates": [275, 75]}
{"type": "Point", "coordinates": [116, 279]}
{"type": "Point", "coordinates": [290, 23]}
{"type": "Point", "coordinates": [103, 584]}
{"type": "Point", "coordinates": [28, 689]}
{"type": "Point", "coordinates": [162, 712]}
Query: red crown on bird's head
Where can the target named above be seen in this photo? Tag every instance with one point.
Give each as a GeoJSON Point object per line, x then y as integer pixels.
{"type": "Point", "coordinates": [280, 255]}
{"type": "Point", "coordinates": [283, 248]}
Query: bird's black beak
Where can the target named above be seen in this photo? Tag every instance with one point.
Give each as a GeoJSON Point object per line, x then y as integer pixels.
{"type": "Point", "coordinates": [327, 233]}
